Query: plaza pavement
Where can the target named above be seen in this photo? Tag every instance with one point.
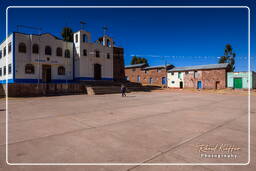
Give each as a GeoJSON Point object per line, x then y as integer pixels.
{"type": "Point", "coordinates": [150, 127]}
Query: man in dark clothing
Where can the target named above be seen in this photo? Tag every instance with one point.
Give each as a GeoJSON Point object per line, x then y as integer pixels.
{"type": "Point", "coordinates": [123, 90]}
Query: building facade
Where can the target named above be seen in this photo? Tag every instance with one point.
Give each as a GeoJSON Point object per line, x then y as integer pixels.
{"type": "Point", "coordinates": [211, 76]}
{"type": "Point", "coordinates": [44, 58]}
{"type": "Point", "coordinates": [36, 59]}
{"type": "Point", "coordinates": [153, 75]}
{"type": "Point", "coordinates": [240, 80]}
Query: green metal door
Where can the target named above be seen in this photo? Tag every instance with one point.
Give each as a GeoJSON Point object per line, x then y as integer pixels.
{"type": "Point", "coordinates": [238, 83]}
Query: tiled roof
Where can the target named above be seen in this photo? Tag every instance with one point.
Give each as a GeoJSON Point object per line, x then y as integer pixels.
{"type": "Point", "coordinates": [200, 67]}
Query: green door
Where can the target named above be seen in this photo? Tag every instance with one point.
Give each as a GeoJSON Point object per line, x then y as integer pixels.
{"type": "Point", "coordinates": [238, 83]}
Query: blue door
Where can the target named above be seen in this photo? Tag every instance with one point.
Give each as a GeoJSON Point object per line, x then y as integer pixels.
{"type": "Point", "coordinates": [163, 80]}
{"type": "Point", "coordinates": [199, 84]}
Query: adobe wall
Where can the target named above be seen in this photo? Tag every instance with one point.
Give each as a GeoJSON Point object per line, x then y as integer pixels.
{"type": "Point", "coordinates": [211, 79]}
{"type": "Point", "coordinates": [145, 75]}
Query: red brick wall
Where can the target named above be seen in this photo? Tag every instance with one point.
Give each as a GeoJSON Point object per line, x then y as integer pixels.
{"type": "Point", "coordinates": [211, 79]}
{"type": "Point", "coordinates": [145, 76]}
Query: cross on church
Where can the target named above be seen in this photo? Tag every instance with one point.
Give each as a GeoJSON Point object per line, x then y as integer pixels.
{"type": "Point", "coordinates": [82, 24]}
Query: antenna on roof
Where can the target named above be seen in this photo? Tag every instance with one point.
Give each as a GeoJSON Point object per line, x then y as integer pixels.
{"type": "Point", "coordinates": [105, 28]}
{"type": "Point", "coordinates": [82, 25]}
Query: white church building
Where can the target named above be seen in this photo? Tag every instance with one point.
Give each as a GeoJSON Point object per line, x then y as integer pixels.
{"type": "Point", "coordinates": [44, 58]}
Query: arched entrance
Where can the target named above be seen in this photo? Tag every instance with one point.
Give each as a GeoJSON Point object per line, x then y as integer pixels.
{"type": "Point", "coordinates": [97, 72]}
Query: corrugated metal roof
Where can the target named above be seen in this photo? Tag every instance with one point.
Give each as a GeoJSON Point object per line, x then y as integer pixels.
{"type": "Point", "coordinates": [158, 66]}
{"type": "Point", "coordinates": [200, 67]}
{"type": "Point", "coordinates": [135, 65]}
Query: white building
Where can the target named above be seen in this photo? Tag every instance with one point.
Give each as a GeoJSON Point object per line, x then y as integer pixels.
{"type": "Point", "coordinates": [175, 79]}
{"type": "Point", "coordinates": [45, 58]}
{"type": "Point", "coordinates": [93, 60]}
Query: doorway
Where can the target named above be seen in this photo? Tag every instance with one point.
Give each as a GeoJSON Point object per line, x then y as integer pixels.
{"type": "Point", "coordinates": [217, 85]}
{"type": "Point", "coordinates": [199, 84]}
{"type": "Point", "coordinates": [46, 73]}
{"type": "Point", "coordinates": [238, 83]}
{"type": "Point", "coordinates": [97, 72]}
{"type": "Point", "coordinates": [181, 84]}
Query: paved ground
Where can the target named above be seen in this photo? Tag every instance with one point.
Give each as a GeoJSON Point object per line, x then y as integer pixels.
{"type": "Point", "coordinates": [156, 127]}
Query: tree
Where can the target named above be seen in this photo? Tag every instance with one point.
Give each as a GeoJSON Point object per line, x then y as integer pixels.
{"type": "Point", "coordinates": [229, 57]}
{"type": "Point", "coordinates": [67, 34]}
{"type": "Point", "coordinates": [138, 60]}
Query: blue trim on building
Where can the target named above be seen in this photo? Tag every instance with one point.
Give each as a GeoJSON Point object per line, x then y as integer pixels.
{"type": "Point", "coordinates": [91, 78]}
{"type": "Point", "coordinates": [110, 79]}
{"type": "Point", "coordinates": [41, 81]}
{"type": "Point", "coordinates": [4, 81]}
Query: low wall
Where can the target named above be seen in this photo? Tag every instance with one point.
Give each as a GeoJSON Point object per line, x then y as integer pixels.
{"type": "Point", "coordinates": [27, 89]}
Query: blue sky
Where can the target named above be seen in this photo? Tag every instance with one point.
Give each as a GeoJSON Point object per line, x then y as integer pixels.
{"type": "Point", "coordinates": [179, 36]}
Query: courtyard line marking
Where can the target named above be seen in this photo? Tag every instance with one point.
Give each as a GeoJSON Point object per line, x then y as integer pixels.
{"type": "Point", "coordinates": [182, 143]}
{"type": "Point", "coordinates": [249, 99]}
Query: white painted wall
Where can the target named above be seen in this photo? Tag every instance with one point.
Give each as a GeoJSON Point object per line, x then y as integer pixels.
{"type": "Point", "coordinates": [38, 60]}
{"type": "Point", "coordinates": [84, 65]}
{"type": "Point", "coordinates": [173, 81]}
{"type": "Point", "coordinates": [8, 58]}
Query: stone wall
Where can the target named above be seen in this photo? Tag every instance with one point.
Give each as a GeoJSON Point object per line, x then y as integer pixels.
{"type": "Point", "coordinates": [30, 90]}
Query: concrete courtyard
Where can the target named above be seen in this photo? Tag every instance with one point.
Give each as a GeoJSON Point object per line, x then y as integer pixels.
{"type": "Point", "coordinates": [146, 127]}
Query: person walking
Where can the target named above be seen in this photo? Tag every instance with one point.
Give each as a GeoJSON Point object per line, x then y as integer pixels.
{"type": "Point", "coordinates": [123, 90]}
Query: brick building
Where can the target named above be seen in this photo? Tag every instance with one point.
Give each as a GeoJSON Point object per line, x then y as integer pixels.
{"type": "Point", "coordinates": [118, 64]}
{"type": "Point", "coordinates": [147, 75]}
{"type": "Point", "coordinates": [213, 76]}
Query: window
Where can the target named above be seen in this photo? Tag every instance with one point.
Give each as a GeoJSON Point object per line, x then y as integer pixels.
{"type": "Point", "coordinates": [4, 70]}
{"type": "Point", "coordinates": [173, 82]}
{"type": "Point", "coordinates": [195, 74]}
{"type": "Point", "coordinates": [61, 70]}
{"type": "Point", "coordinates": [108, 43]}
{"type": "Point", "coordinates": [85, 52]}
{"type": "Point", "coordinates": [108, 56]}
{"type": "Point", "coordinates": [48, 50]}
{"type": "Point", "coordinates": [150, 80]}
{"type": "Point", "coordinates": [138, 78]}
{"type": "Point", "coordinates": [1, 72]}
{"type": "Point", "coordinates": [146, 71]}
{"type": "Point", "coordinates": [134, 69]}
{"type": "Point", "coordinates": [97, 53]}
{"type": "Point", "coordinates": [9, 47]}
{"type": "Point", "coordinates": [186, 72]}
{"type": "Point", "coordinates": [0, 54]}
{"type": "Point", "coordinates": [85, 39]}
{"type": "Point", "coordinates": [29, 69]}
{"type": "Point", "coordinates": [4, 51]}
{"type": "Point", "coordinates": [76, 38]}
{"type": "Point", "coordinates": [22, 48]}
{"type": "Point", "coordinates": [172, 73]}
{"type": "Point", "coordinates": [179, 75]}
{"type": "Point", "coordinates": [9, 68]}
{"type": "Point", "coordinates": [67, 53]}
{"type": "Point", "coordinates": [35, 48]}
{"type": "Point", "coordinates": [58, 51]}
